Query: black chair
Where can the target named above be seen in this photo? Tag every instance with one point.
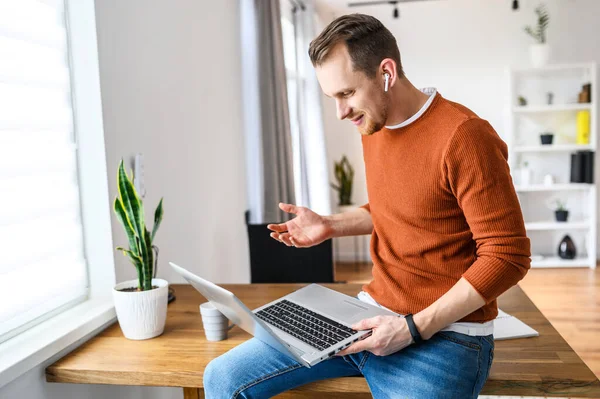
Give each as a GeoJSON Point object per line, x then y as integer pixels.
{"type": "Point", "coordinates": [274, 262]}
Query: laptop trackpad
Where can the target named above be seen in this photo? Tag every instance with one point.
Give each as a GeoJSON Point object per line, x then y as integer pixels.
{"type": "Point", "coordinates": [344, 310]}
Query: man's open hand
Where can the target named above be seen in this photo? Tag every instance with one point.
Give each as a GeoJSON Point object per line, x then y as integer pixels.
{"type": "Point", "coordinates": [305, 230]}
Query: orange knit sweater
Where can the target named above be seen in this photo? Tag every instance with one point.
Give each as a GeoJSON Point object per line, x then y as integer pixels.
{"type": "Point", "coordinates": [443, 207]}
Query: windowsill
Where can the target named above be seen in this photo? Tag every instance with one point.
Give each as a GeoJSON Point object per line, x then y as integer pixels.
{"type": "Point", "coordinates": [20, 354]}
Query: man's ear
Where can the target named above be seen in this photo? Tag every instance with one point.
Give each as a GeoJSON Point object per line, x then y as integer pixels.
{"type": "Point", "coordinates": [388, 67]}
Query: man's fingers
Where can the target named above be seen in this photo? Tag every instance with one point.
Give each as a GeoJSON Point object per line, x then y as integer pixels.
{"type": "Point", "coordinates": [295, 243]}
{"type": "Point", "coordinates": [289, 208]}
{"type": "Point", "coordinates": [285, 238]}
{"type": "Point", "coordinates": [277, 237]}
{"type": "Point", "coordinates": [355, 348]}
{"type": "Point", "coordinates": [277, 227]}
{"type": "Point", "coordinates": [367, 324]}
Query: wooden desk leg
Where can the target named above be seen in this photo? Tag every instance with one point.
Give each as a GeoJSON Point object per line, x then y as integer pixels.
{"type": "Point", "coordinates": [193, 393]}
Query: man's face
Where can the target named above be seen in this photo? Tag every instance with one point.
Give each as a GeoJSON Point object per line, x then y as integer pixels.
{"type": "Point", "coordinates": [358, 98]}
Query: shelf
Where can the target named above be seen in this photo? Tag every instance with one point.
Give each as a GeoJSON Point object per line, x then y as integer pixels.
{"type": "Point", "coordinates": [554, 187]}
{"type": "Point", "coordinates": [555, 261]}
{"type": "Point", "coordinates": [555, 68]}
{"type": "Point", "coordinates": [554, 148]}
{"type": "Point", "coordinates": [526, 123]}
{"type": "Point", "coordinates": [530, 109]}
{"type": "Point", "coordinates": [557, 225]}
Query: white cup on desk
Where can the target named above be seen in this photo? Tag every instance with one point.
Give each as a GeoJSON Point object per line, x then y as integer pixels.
{"type": "Point", "coordinates": [216, 325]}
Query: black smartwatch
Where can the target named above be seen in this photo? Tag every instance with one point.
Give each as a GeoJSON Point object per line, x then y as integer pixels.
{"type": "Point", "coordinates": [413, 329]}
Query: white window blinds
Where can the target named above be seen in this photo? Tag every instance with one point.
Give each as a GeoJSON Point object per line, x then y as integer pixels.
{"type": "Point", "coordinates": [42, 263]}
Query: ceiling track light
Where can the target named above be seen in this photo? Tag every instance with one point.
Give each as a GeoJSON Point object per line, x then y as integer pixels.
{"type": "Point", "coordinates": [515, 4]}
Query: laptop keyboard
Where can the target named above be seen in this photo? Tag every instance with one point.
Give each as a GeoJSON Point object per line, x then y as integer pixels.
{"type": "Point", "coordinates": [309, 327]}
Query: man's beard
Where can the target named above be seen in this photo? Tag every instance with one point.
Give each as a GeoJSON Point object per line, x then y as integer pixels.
{"type": "Point", "coordinates": [371, 126]}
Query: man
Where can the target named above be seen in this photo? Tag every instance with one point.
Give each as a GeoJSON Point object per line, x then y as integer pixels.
{"type": "Point", "coordinates": [448, 235]}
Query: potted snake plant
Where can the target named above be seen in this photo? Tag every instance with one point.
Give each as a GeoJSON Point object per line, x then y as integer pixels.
{"type": "Point", "coordinates": [140, 304]}
{"type": "Point", "coordinates": [344, 175]}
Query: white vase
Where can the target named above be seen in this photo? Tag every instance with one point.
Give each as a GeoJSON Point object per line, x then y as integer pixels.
{"type": "Point", "coordinates": [141, 314]}
{"type": "Point", "coordinates": [540, 54]}
{"type": "Point", "coordinates": [525, 176]}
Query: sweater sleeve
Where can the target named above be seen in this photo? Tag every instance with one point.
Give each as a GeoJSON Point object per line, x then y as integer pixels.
{"type": "Point", "coordinates": [477, 172]}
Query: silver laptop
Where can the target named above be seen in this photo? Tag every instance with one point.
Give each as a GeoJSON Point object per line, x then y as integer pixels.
{"type": "Point", "coordinates": [308, 325]}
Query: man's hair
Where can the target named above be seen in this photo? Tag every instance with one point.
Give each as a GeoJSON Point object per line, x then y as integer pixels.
{"type": "Point", "coordinates": [367, 40]}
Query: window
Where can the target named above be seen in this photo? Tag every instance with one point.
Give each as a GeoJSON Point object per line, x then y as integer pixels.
{"type": "Point", "coordinates": [295, 80]}
{"type": "Point", "coordinates": [42, 263]}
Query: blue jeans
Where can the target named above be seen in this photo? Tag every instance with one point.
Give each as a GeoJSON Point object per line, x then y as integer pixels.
{"type": "Point", "coordinates": [449, 365]}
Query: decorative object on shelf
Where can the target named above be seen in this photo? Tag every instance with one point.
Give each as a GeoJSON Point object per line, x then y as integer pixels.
{"type": "Point", "coordinates": [585, 95]}
{"type": "Point", "coordinates": [540, 51]}
{"type": "Point", "coordinates": [576, 167]}
{"type": "Point", "coordinates": [560, 211]}
{"type": "Point", "coordinates": [548, 180]}
{"type": "Point", "coordinates": [588, 166]}
{"type": "Point", "coordinates": [344, 174]}
{"type": "Point", "coordinates": [546, 138]}
{"type": "Point", "coordinates": [522, 101]}
{"type": "Point", "coordinates": [583, 127]}
{"type": "Point", "coordinates": [526, 173]}
{"type": "Point", "coordinates": [141, 304]}
{"type": "Point", "coordinates": [550, 97]}
{"type": "Point", "coordinates": [537, 257]}
{"type": "Point", "coordinates": [566, 248]}
{"type": "Point", "coordinates": [582, 167]}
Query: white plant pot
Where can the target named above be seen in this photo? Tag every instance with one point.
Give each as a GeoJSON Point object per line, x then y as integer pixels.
{"type": "Point", "coordinates": [346, 208]}
{"type": "Point", "coordinates": [540, 54]}
{"type": "Point", "coordinates": [141, 314]}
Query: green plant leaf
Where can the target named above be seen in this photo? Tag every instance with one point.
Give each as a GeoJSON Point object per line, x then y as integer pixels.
{"type": "Point", "coordinates": [142, 270]}
{"type": "Point", "coordinates": [135, 259]}
{"type": "Point", "coordinates": [122, 216]}
{"type": "Point", "coordinates": [155, 248]}
{"type": "Point", "coordinates": [158, 214]}
{"type": "Point", "coordinates": [148, 263]}
{"type": "Point", "coordinates": [131, 202]}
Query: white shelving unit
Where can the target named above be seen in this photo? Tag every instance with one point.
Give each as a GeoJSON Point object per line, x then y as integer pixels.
{"type": "Point", "coordinates": [553, 187]}
{"type": "Point", "coordinates": [554, 148]}
{"type": "Point", "coordinates": [551, 225]}
{"type": "Point", "coordinates": [526, 123]}
{"type": "Point", "coordinates": [529, 109]}
{"type": "Point", "coordinates": [556, 262]}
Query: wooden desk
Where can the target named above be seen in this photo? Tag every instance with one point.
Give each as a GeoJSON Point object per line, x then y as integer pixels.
{"type": "Point", "coordinates": [540, 366]}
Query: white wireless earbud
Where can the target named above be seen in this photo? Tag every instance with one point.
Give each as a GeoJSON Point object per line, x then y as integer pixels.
{"type": "Point", "coordinates": [387, 82]}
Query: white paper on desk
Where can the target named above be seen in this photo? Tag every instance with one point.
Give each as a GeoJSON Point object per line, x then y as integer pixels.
{"type": "Point", "coordinates": [509, 327]}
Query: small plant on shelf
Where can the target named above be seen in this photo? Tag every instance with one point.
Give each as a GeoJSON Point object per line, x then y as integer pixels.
{"type": "Point", "coordinates": [539, 32]}
{"type": "Point", "coordinates": [560, 210]}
